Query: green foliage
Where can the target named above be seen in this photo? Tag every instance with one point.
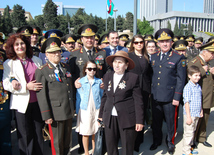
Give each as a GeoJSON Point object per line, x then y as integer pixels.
{"type": "Point", "coordinates": [128, 23]}
{"type": "Point", "coordinates": [143, 27]}
{"type": "Point", "coordinates": [190, 29]}
{"type": "Point", "coordinates": [50, 15]}
{"type": "Point", "coordinates": [176, 29]}
{"type": "Point", "coordinates": [110, 24]}
{"type": "Point", "coordinates": [169, 25]}
{"type": "Point", "coordinates": [119, 23]}
{"type": "Point", "coordinates": [63, 24]}
{"type": "Point", "coordinates": [6, 21]}
{"type": "Point", "coordinates": [39, 21]}
{"type": "Point", "coordinates": [18, 18]}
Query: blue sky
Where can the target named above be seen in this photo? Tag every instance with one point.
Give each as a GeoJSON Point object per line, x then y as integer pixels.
{"type": "Point", "coordinates": [98, 7]}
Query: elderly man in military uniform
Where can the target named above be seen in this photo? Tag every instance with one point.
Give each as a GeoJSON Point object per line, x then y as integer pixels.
{"type": "Point", "coordinates": [206, 83]}
{"type": "Point", "coordinates": [198, 43]}
{"type": "Point", "coordinates": [168, 79]}
{"type": "Point", "coordinates": [56, 97]}
{"type": "Point", "coordinates": [69, 42]}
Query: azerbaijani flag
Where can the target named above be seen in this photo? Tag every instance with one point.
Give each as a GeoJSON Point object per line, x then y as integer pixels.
{"type": "Point", "coordinates": [110, 7]}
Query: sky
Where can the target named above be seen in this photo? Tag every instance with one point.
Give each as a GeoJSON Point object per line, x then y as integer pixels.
{"type": "Point", "coordinates": [98, 7]}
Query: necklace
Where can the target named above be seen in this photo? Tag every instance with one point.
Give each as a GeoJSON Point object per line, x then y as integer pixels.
{"type": "Point", "coordinates": [24, 62]}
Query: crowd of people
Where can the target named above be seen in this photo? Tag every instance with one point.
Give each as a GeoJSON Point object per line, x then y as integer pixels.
{"type": "Point", "coordinates": [46, 79]}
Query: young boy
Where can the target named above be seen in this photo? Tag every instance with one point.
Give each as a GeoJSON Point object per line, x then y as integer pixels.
{"type": "Point", "coordinates": [192, 97]}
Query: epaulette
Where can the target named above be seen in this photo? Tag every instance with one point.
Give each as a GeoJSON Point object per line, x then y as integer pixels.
{"type": "Point", "coordinates": [75, 49]}
{"type": "Point", "coordinates": [194, 60]}
{"type": "Point", "coordinates": [158, 53]}
{"type": "Point", "coordinates": [41, 67]}
{"type": "Point", "coordinates": [176, 52]}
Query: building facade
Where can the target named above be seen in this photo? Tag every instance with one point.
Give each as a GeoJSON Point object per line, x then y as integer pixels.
{"type": "Point", "coordinates": [152, 7]}
{"type": "Point", "coordinates": [209, 6]}
{"type": "Point", "coordinates": [199, 21]}
{"type": "Point", "coordinates": [64, 9]}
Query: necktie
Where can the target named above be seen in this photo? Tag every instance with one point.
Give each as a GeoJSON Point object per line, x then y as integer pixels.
{"type": "Point", "coordinates": [163, 55]}
{"type": "Point", "coordinates": [114, 51]}
{"type": "Point", "coordinates": [60, 72]}
{"type": "Point", "coordinates": [89, 55]}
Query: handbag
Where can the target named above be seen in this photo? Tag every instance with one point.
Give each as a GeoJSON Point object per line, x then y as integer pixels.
{"type": "Point", "coordinates": [100, 145]}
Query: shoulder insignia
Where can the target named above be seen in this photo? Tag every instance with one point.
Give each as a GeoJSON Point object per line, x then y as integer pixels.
{"type": "Point", "coordinates": [63, 64]}
{"type": "Point", "coordinates": [176, 52]}
{"type": "Point", "coordinates": [81, 50]}
{"type": "Point", "coordinates": [202, 63]}
{"type": "Point", "coordinates": [76, 49]}
{"type": "Point", "coordinates": [41, 67]}
{"type": "Point", "coordinates": [194, 60]}
{"type": "Point", "coordinates": [49, 66]}
{"type": "Point", "coordinates": [183, 62]}
{"type": "Point", "coordinates": [158, 53]}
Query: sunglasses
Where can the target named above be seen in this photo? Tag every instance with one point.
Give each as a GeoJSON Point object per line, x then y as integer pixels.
{"type": "Point", "coordinates": [90, 69]}
{"type": "Point", "coordinates": [137, 42]}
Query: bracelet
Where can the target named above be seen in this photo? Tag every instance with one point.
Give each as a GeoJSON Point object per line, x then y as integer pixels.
{"type": "Point", "coordinates": [12, 78]}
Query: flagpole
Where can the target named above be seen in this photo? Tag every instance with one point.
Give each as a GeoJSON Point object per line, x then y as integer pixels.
{"type": "Point", "coordinates": [106, 16]}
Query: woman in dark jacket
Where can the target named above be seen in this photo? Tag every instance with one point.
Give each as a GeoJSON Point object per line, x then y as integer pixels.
{"type": "Point", "coordinates": [121, 106]}
{"type": "Point", "coordinates": [139, 55]}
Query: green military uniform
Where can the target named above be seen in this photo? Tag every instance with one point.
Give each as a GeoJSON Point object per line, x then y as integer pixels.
{"type": "Point", "coordinates": [56, 98]}
{"type": "Point", "coordinates": [206, 83]}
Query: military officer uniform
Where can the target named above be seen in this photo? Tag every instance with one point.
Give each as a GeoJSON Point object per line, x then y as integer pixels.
{"type": "Point", "coordinates": [56, 98]}
{"type": "Point", "coordinates": [191, 51]}
{"type": "Point", "coordinates": [36, 50]}
{"type": "Point", "coordinates": [5, 114]}
{"type": "Point", "coordinates": [206, 83]}
{"type": "Point", "coordinates": [168, 79]}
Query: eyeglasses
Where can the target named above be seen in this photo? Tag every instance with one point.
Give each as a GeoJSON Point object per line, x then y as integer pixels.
{"type": "Point", "coordinates": [137, 42]}
{"type": "Point", "coordinates": [90, 69]}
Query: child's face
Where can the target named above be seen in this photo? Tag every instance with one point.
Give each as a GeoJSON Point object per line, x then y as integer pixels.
{"type": "Point", "coordinates": [90, 69]}
{"type": "Point", "coordinates": [195, 77]}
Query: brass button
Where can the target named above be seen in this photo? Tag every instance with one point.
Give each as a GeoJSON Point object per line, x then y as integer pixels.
{"type": "Point", "coordinates": [1, 108]}
{"type": "Point", "coordinates": [69, 98]}
{"type": "Point", "coordinates": [159, 72]}
{"type": "Point", "coordinates": [160, 66]}
{"type": "Point", "coordinates": [158, 84]}
{"type": "Point", "coordinates": [167, 58]}
{"type": "Point", "coordinates": [67, 84]}
{"type": "Point", "coordinates": [68, 91]}
{"type": "Point", "coordinates": [158, 78]}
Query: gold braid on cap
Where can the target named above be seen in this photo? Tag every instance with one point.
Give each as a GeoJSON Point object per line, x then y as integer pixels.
{"type": "Point", "coordinates": [70, 39]}
{"type": "Point", "coordinates": [35, 31]}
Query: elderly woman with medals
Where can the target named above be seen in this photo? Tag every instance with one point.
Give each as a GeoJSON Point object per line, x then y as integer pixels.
{"type": "Point", "coordinates": [121, 106]}
{"type": "Point", "coordinates": [56, 97]}
{"type": "Point", "coordinates": [19, 79]}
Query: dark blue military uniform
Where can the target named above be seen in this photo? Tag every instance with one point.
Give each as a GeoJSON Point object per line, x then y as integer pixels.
{"type": "Point", "coordinates": [5, 114]}
{"type": "Point", "coordinates": [168, 80]}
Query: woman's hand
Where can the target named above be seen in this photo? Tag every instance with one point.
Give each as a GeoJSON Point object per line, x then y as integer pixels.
{"type": "Point", "coordinates": [49, 121]}
{"type": "Point", "coordinates": [139, 127]}
{"type": "Point", "coordinates": [16, 85]}
{"type": "Point", "coordinates": [77, 83]}
{"type": "Point", "coordinates": [32, 85]}
{"type": "Point", "coordinates": [100, 120]}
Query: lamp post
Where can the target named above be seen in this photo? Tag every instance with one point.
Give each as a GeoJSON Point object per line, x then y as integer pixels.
{"type": "Point", "coordinates": [115, 10]}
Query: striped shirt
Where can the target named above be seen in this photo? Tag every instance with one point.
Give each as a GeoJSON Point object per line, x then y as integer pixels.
{"type": "Point", "coordinates": [192, 93]}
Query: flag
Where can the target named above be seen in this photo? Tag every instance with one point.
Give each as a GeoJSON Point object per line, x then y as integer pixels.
{"type": "Point", "coordinates": [110, 7]}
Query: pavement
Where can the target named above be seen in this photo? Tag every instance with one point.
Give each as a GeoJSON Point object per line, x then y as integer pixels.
{"type": "Point", "coordinates": [144, 148]}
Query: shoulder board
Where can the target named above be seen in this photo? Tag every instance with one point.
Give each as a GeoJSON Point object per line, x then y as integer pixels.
{"type": "Point", "coordinates": [64, 64]}
{"type": "Point", "coordinates": [75, 49]}
{"type": "Point", "coordinates": [195, 60]}
{"type": "Point", "coordinates": [41, 67]}
{"type": "Point", "coordinates": [175, 52]}
{"type": "Point", "coordinates": [158, 53]}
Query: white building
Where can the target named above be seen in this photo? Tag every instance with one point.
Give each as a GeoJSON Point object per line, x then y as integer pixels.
{"type": "Point", "coordinates": [64, 9]}
{"type": "Point", "coordinates": [208, 6]}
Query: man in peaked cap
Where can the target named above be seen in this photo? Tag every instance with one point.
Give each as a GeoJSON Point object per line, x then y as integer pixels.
{"type": "Point", "coordinates": [69, 42]}
{"type": "Point", "coordinates": [180, 46]}
{"type": "Point", "coordinates": [176, 38]}
{"type": "Point", "coordinates": [97, 38]}
{"type": "Point", "coordinates": [122, 39]}
{"type": "Point", "coordinates": [34, 40]}
{"type": "Point", "coordinates": [148, 37]}
{"type": "Point", "coordinates": [103, 42]}
{"type": "Point", "coordinates": [25, 30]}
{"type": "Point", "coordinates": [206, 83]}
{"type": "Point", "coordinates": [191, 50]}
{"type": "Point", "coordinates": [168, 79]}
{"type": "Point", "coordinates": [198, 43]}
{"type": "Point", "coordinates": [79, 58]}
{"type": "Point", "coordinates": [54, 33]}
{"type": "Point", "coordinates": [78, 43]}
{"type": "Point", "coordinates": [56, 97]}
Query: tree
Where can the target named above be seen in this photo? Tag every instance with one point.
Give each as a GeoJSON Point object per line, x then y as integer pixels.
{"type": "Point", "coordinates": [1, 23]}
{"type": "Point", "coordinates": [190, 29]}
{"type": "Point", "coordinates": [63, 24]}
{"type": "Point", "coordinates": [50, 15]}
{"type": "Point", "coordinates": [128, 23]}
{"type": "Point", "coordinates": [18, 18]}
{"type": "Point", "coordinates": [110, 24]}
{"type": "Point", "coordinates": [100, 23]}
{"type": "Point", "coordinates": [144, 27]}
{"type": "Point", "coordinates": [169, 25]}
{"type": "Point", "coordinates": [39, 21]}
{"type": "Point", "coordinates": [120, 22]}
{"type": "Point", "coordinates": [176, 29]}
{"type": "Point", "coordinates": [6, 21]}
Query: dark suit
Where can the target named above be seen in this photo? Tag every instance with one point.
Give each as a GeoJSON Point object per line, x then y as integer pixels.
{"type": "Point", "coordinates": [36, 51]}
{"type": "Point", "coordinates": [129, 106]}
{"type": "Point", "coordinates": [118, 48]}
{"type": "Point", "coordinates": [56, 101]}
{"type": "Point", "coordinates": [168, 81]}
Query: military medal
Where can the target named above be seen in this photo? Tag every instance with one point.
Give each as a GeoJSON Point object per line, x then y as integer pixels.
{"type": "Point", "coordinates": [56, 71]}
{"type": "Point", "coordinates": [122, 85]}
